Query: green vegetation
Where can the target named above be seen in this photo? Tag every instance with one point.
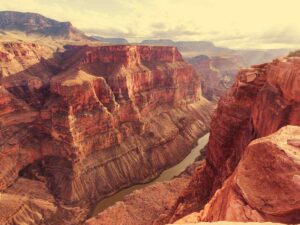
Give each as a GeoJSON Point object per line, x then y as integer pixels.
{"type": "Point", "coordinates": [294, 54]}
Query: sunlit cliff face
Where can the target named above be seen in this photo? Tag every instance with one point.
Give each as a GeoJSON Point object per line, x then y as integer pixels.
{"type": "Point", "coordinates": [232, 23]}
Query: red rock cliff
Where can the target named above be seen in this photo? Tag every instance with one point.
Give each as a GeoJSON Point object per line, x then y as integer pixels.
{"type": "Point", "coordinates": [263, 99]}
{"type": "Point", "coordinates": [217, 73]}
{"type": "Point", "coordinates": [81, 126]}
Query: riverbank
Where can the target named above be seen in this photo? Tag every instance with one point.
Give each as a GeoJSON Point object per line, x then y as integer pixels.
{"type": "Point", "coordinates": [164, 176]}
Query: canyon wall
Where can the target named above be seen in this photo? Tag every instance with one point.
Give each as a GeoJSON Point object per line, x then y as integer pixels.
{"type": "Point", "coordinates": [265, 185]}
{"type": "Point", "coordinates": [81, 125]}
{"type": "Point", "coordinates": [260, 182]}
{"type": "Point", "coordinates": [217, 73]}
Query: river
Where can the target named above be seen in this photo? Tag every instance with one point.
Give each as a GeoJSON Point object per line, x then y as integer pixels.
{"type": "Point", "coordinates": [164, 176]}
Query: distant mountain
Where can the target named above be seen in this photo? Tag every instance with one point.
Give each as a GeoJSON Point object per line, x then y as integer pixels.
{"type": "Point", "coordinates": [195, 48]}
{"type": "Point", "coordinates": [199, 46]}
{"type": "Point", "coordinates": [111, 40]}
{"type": "Point", "coordinates": [33, 23]}
{"type": "Point", "coordinates": [190, 48]}
{"type": "Point", "coordinates": [159, 42]}
{"type": "Point", "coordinates": [258, 56]}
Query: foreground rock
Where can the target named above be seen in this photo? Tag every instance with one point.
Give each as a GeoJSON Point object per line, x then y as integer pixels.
{"type": "Point", "coordinates": [82, 125]}
{"type": "Point", "coordinates": [262, 100]}
{"type": "Point", "coordinates": [264, 187]}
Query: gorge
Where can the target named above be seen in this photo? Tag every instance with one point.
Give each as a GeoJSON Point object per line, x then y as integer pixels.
{"type": "Point", "coordinates": [85, 121]}
{"type": "Point", "coordinates": [251, 170]}
{"type": "Point", "coordinates": [166, 175]}
{"type": "Point", "coordinates": [162, 132]}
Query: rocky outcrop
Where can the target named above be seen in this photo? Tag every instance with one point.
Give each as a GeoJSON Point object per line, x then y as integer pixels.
{"type": "Point", "coordinates": [217, 73]}
{"type": "Point", "coordinates": [263, 99]}
{"type": "Point", "coordinates": [26, 59]}
{"type": "Point", "coordinates": [265, 185]}
{"type": "Point", "coordinates": [95, 121]}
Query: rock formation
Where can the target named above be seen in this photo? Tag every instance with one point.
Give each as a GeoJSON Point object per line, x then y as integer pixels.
{"type": "Point", "coordinates": [217, 73]}
{"type": "Point", "coordinates": [79, 126]}
{"type": "Point", "coordinates": [264, 187]}
{"type": "Point", "coordinates": [258, 182]}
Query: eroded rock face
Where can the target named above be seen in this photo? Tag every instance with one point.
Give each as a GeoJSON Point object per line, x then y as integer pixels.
{"type": "Point", "coordinates": [262, 100]}
{"type": "Point", "coordinates": [96, 120]}
{"type": "Point", "coordinates": [25, 59]}
{"type": "Point", "coordinates": [264, 187]}
{"type": "Point", "coordinates": [148, 204]}
{"type": "Point", "coordinates": [217, 73]}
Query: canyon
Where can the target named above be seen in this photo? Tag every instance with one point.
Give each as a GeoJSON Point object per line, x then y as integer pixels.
{"type": "Point", "coordinates": [217, 73]}
{"type": "Point", "coordinates": [262, 100]}
{"type": "Point", "coordinates": [251, 169]}
{"type": "Point", "coordinates": [99, 134]}
{"type": "Point", "coordinates": [80, 125]}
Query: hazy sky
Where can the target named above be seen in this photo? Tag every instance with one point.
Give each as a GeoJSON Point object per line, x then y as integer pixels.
{"type": "Point", "coordinates": [231, 23]}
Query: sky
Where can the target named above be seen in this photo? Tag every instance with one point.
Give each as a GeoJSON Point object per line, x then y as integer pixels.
{"type": "Point", "coordinates": [230, 23]}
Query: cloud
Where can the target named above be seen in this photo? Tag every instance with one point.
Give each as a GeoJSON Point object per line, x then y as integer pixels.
{"type": "Point", "coordinates": [234, 23]}
{"type": "Point", "coordinates": [111, 32]}
{"type": "Point", "coordinates": [280, 36]}
{"type": "Point", "coordinates": [158, 25]}
{"type": "Point", "coordinates": [174, 32]}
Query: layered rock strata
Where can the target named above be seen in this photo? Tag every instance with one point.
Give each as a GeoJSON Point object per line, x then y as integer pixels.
{"type": "Point", "coordinates": [91, 121]}
{"type": "Point", "coordinates": [264, 187]}
{"type": "Point", "coordinates": [217, 73]}
{"type": "Point", "coordinates": [144, 205]}
{"type": "Point", "coordinates": [263, 99]}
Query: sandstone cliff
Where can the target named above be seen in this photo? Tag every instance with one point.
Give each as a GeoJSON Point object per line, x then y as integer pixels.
{"type": "Point", "coordinates": [79, 126]}
{"type": "Point", "coordinates": [217, 73]}
{"type": "Point", "coordinates": [264, 186]}
{"type": "Point", "coordinates": [260, 182]}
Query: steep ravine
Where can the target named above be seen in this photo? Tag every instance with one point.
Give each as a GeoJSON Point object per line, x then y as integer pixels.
{"type": "Point", "coordinates": [217, 73]}
{"type": "Point", "coordinates": [262, 100]}
{"type": "Point", "coordinates": [81, 126]}
{"type": "Point", "coordinates": [166, 175]}
{"type": "Point", "coordinates": [252, 167]}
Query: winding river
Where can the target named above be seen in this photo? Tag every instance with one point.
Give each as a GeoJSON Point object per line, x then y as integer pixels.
{"type": "Point", "coordinates": [164, 176]}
